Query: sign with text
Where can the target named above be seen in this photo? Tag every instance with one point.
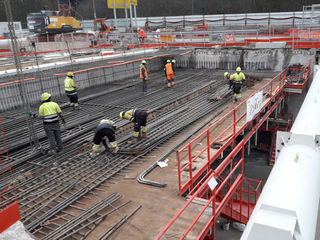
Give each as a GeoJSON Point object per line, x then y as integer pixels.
{"type": "Point", "coordinates": [254, 105]}
{"type": "Point", "coordinates": [122, 3]}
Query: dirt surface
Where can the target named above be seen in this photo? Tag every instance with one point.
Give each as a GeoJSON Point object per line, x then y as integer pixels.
{"type": "Point", "coordinates": [159, 205]}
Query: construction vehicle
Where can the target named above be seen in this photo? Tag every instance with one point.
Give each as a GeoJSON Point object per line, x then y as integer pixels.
{"type": "Point", "coordinates": [53, 22]}
{"type": "Point", "coordinates": [101, 26]}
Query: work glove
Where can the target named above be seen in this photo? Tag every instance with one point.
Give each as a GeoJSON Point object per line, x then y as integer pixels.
{"type": "Point", "coordinates": [115, 150]}
{"type": "Point", "coordinates": [32, 114]}
{"type": "Point", "coordinates": [63, 121]}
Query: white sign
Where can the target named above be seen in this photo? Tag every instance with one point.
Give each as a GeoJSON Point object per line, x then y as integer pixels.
{"type": "Point", "coordinates": [212, 183]}
{"type": "Point", "coordinates": [254, 105]}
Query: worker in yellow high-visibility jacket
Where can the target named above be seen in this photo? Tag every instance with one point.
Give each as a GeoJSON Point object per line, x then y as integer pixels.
{"type": "Point", "coordinates": [50, 112]}
{"type": "Point", "coordinates": [71, 90]}
{"type": "Point", "coordinates": [139, 118]}
{"type": "Point", "coordinates": [237, 81]}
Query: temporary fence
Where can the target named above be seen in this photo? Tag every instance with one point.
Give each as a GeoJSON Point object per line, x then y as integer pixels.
{"type": "Point", "coordinates": [86, 78]}
{"type": "Point", "coordinates": [9, 211]}
{"type": "Point", "coordinates": [216, 20]}
{"type": "Point", "coordinates": [293, 38]}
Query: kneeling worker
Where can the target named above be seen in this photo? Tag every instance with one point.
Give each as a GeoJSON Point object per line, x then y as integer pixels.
{"type": "Point", "coordinates": [139, 118]}
{"type": "Point", "coordinates": [104, 131]}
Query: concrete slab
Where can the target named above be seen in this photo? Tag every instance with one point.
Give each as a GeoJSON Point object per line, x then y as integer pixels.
{"type": "Point", "coordinates": [16, 232]}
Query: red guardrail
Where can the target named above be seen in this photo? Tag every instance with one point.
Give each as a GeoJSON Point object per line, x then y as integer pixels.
{"type": "Point", "coordinates": [223, 199]}
{"type": "Point", "coordinates": [303, 84]}
{"type": "Point", "coordinates": [230, 132]}
{"type": "Point", "coordinates": [227, 199]}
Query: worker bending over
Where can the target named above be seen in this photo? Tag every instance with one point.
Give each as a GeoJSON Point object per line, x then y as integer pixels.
{"type": "Point", "coordinates": [50, 112]}
{"type": "Point", "coordinates": [71, 90]}
{"type": "Point", "coordinates": [104, 131]}
{"type": "Point", "coordinates": [237, 81]}
{"type": "Point", "coordinates": [139, 118]}
{"type": "Point", "coordinates": [169, 73]}
{"type": "Point", "coordinates": [144, 76]}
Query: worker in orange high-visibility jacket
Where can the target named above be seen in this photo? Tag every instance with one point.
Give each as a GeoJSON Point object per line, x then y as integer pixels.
{"type": "Point", "coordinates": [142, 35]}
{"type": "Point", "coordinates": [170, 74]}
{"type": "Point", "coordinates": [144, 76]}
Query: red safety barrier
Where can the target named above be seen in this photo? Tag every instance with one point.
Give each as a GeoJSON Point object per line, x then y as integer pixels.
{"type": "Point", "coordinates": [113, 65]}
{"type": "Point", "coordinates": [16, 81]}
{"type": "Point", "coordinates": [9, 211]}
{"type": "Point", "coordinates": [233, 129]}
{"type": "Point", "coordinates": [234, 197]}
{"type": "Point", "coordinates": [301, 81]}
{"type": "Point", "coordinates": [227, 198]}
{"type": "Point", "coordinates": [56, 51]}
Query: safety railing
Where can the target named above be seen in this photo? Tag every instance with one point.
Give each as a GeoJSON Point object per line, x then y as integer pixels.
{"type": "Point", "coordinates": [298, 78]}
{"type": "Point", "coordinates": [240, 206]}
{"type": "Point", "coordinates": [196, 184]}
{"type": "Point", "coordinates": [233, 197]}
{"type": "Point", "coordinates": [222, 133]}
{"type": "Point", "coordinates": [9, 212]}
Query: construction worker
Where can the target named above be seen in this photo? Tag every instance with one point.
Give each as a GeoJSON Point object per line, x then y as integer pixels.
{"type": "Point", "coordinates": [141, 34]}
{"type": "Point", "coordinates": [228, 76]}
{"type": "Point", "coordinates": [237, 80]}
{"type": "Point", "coordinates": [139, 118]}
{"type": "Point", "coordinates": [169, 73]}
{"type": "Point", "coordinates": [104, 131]}
{"type": "Point", "coordinates": [50, 112]}
{"type": "Point", "coordinates": [144, 76]}
{"type": "Point", "coordinates": [71, 90]}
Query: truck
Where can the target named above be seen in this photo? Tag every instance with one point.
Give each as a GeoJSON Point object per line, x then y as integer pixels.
{"type": "Point", "coordinates": [53, 22]}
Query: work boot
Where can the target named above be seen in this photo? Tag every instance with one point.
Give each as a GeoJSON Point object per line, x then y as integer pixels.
{"type": "Point", "coordinates": [144, 135]}
{"type": "Point", "coordinates": [59, 149]}
{"type": "Point", "coordinates": [115, 150]}
{"type": "Point", "coordinates": [94, 154]}
{"type": "Point", "coordinates": [51, 152]}
{"type": "Point", "coordinates": [133, 141]}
